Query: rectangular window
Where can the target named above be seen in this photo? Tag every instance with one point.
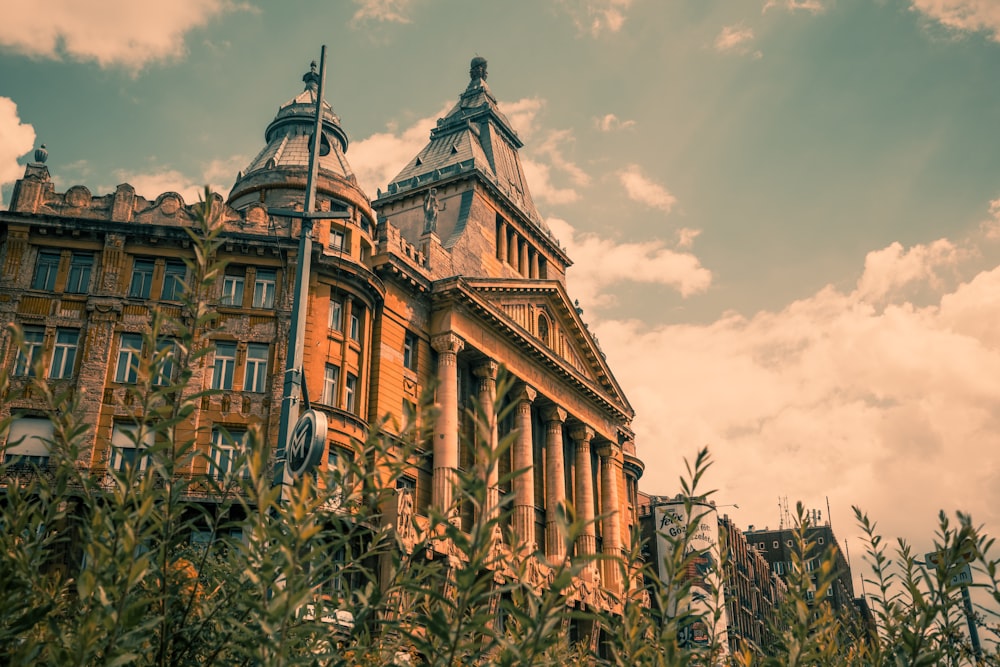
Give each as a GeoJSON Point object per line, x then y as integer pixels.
{"type": "Point", "coordinates": [30, 352]}
{"type": "Point", "coordinates": [166, 351]}
{"type": "Point", "coordinates": [263, 288]}
{"type": "Point", "coordinates": [355, 328]}
{"type": "Point", "coordinates": [226, 446]}
{"type": "Point", "coordinates": [225, 362]}
{"type": "Point", "coordinates": [338, 463]}
{"type": "Point", "coordinates": [45, 270]}
{"type": "Point", "coordinates": [779, 567]}
{"type": "Point", "coordinates": [142, 278]}
{"type": "Point", "coordinates": [336, 239]}
{"type": "Point", "coordinates": [129, 352]}
{"type": "Point", "coordinates": [174, 273]}
{"type": "Point", "coordinates": [410, 351]}
{"type": "Point", "coordinates": [78, 281]}
{"type": "Point", "coordinates": [255, 374]}
{"type": "Point", "coordinates": [336, 314]}
{"type": "Point", "coordinates": [331, 380]}
{"type": "Point", "coordinates": [127, 444]}
{"type": "Point", "coordinates": [350, 391]}
{"type": "Point", "coordinates": [64, 353]}
{"type": "Point", "coordinates": [232, 290]}
{"type": "Point", "coordinates": [28, 441]}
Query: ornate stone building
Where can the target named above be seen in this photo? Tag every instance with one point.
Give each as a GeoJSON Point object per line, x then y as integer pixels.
{"type": "Point", "coordinates": [447, 277]}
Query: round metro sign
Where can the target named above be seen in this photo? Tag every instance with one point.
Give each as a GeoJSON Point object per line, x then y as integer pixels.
{"type": "Point", "coordinates": [307, 443]}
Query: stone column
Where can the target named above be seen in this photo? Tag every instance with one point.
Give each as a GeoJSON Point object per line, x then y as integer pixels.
{"type": "Point", "coordinates": [502, 242]}
{"type": "Point", "coordinates": [610, 478]}
{"type": "Point", "coordinates": [524, 460]}
{"type": "Point", "coordinates": [534, 265]}
{"type": "Point", "coordinates": [522, 265]}
{"type": "Point", "coordinates": [447, 345]}
{"type": "Point", "coordinates": [512, 249]}
{"type": "Point", "coordinates": [586, 543]}
{"type": "Point", "coordinates": [555, 483]}
{"type": "Point", "coordinates": [487, 434]}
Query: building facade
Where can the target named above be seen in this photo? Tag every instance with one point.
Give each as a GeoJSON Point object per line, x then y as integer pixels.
{"type": "Point", "coordinates": [446, 281]}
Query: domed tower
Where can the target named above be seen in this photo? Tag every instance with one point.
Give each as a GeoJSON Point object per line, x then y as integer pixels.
{"type": "Point", "coordinates": [344, 295]}
{"type": "Point", "coordinates": [277, 176]}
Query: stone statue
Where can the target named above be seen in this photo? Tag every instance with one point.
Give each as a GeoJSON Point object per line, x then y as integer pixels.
{"type": "Point", "coordinates": [477, 68]}
{"type": "Point", "coordinates": [404, 517]}
{"type": "Point", "coordinates": [431, 208]}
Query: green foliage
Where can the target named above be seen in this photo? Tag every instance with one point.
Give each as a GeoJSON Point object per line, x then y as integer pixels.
{"type": "Point", "coordinates": [153, 565]}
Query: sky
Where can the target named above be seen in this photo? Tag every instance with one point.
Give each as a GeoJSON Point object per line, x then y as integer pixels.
{"type": "Point", "coordinates": [784, 214]}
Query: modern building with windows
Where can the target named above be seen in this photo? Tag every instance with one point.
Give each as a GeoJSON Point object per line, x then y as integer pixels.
{"type": "Point", "coordinates": [448, 280]}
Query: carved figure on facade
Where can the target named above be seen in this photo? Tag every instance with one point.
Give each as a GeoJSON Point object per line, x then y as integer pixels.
{"type": "Point", "coordinates": [431, 208]}
{"type": "Point", "coordinates": [404, 519]}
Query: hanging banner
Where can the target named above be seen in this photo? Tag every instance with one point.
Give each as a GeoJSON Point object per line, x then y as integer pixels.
{"type": "Point", "coordinates": [704, 570]}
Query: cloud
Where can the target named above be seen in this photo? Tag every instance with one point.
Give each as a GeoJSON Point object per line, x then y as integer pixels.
{"type": "Point", "coordinates": [889, 270]}
{"type": "Point", "coordinates": [645, 191]}
{"type": "Point", "coordinates": [112, 33]}
{"type": "Point", "coordinates": [990, 228]}
{"type": "Point", "coordinates": [602, 263]}
{"type": "Point", "coordinates": [611, 123]}
{"type": "Point", "coordinates": [811, 6]}
{"type": "Point", "coordinates": [523, 115]}
{"type": "Point", "coordinates": [378, 158]}
{"type": "Point", "coordinates": [594, 17]}
{"type": "Point", "coordinates": [383, 11]}
{"type": "Point", "coordinates": [219, 175]}
{"type": "Point", "coordinates": [859, 395]}
{"type": "Point", "coordinates": [962, 15]}
{"type": "Point", "coordinates": [16, 139]}
{"type": "Point", "coordinates": [736, 39]}
{"type": "Point", "coordinates": [539, 176]}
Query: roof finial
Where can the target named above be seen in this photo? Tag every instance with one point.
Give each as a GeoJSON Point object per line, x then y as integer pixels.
{"type": "Point", "coordinates": [41, 155]}
{"type": "Point", "coordinates": [311, 78]}
{"type": "Point", "coordinates": [477, 70]}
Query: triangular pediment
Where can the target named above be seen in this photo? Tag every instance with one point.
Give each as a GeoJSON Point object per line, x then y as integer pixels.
{"type": "Point", "coordinates": [543, 316]}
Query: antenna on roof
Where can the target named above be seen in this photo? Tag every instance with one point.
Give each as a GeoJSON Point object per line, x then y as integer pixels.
{"type": "Point", "coordinates": [829, 517]}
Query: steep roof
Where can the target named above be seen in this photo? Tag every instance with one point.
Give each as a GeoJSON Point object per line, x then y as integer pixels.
{"type": "Point", "coordinates": [476, 134]}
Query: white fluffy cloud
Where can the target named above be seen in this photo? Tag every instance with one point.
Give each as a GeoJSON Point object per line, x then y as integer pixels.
{"type": "Point", "coordinates": [16, 139]}
{"type": "Point", "coordinates": [384, 11]}
{"type": "Point", "coordinates": [611, 123]}
{"type": "Point", "coordinates": [811, 6]}
{"type": "Point", "coordinates": [112, 33]}
{"type": "Point", "coordinates": [602, 264]}
{"type": "Point", "coordinates": [378, 158]}
{"type": "Point", "coordinates": [641, 189]}
{"type": "Point", "coordinates": [963, 15]}
{"type": "Point", "coordinates": [861, 396]}
{"type": "Point", "coordinates": [733, 39]}
{"type": "Point", "coordinates": [595, 17]}
{"type": "Point", "coordinates": [219, 175]}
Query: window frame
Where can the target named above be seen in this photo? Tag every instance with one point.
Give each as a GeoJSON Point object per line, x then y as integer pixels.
{"type": "Point", "coordinates": [228, 363]}
{"type": "Point", "coordinates": [81, 272]}
{"type": "Point", "coordinates": [331, 385]}
{"type": "Point", "coordinates": [64, 355]}
{"type": "Point", "coordinates": [31, 350]}
{"type": "Point", "coordinates": [143, 268]}
{"type": "Point", "coordinates": [131, 357]}
{"type": "Point", "coordinates": [335, 316]}
{"type": "Point", "coordinates": [174, 275]}
{"type": "Point", "coordinates": [49, 260]}
{"type": "Point", "coordinates": [226, 442]}
{"type": "Point", "coordinates": [265, 286]}
{"type": "Point", "coordinates": [233, 289]}
{"type": "Point", "coordinates": [351, 393]}
{"type": "Point", "coordinates": [119, 436]}
{"type": "Point", "coordinates": [255, 378]}
{"type": "Point", "coordinates": [410, 345]}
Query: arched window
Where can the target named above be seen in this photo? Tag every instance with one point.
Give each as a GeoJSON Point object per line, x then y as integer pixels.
{"type": "Point", "coordinates": [543, 329]}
